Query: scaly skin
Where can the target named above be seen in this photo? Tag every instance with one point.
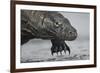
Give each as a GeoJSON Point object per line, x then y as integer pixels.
{"type": "Point", "coordinates": [47, 25]}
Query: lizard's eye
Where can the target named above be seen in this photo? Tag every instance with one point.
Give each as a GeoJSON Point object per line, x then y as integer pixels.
{"type": "Point", "coordinates": [57, 24]}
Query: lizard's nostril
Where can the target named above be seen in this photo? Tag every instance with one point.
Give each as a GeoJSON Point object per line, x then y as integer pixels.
{"type": "Point", "coordinates": [70, 32]}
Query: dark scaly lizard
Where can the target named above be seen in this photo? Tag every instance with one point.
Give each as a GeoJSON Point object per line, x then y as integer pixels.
{"type": "Point", "coordinates": [50, 25]}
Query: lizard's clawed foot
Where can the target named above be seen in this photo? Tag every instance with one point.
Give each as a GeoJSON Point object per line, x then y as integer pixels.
{"type": "Point", "coordinates": [59, 46]}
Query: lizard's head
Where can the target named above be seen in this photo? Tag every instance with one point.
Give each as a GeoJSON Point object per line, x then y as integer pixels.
{"type": "Point", "coordinates": [59, 27]}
